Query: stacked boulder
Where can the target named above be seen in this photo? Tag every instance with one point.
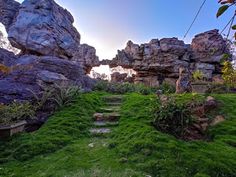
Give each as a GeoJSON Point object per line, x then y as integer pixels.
{"type": "Point", "coordinates": [50, 49]}
{"type": "Point", "coordinates": [160, 60]}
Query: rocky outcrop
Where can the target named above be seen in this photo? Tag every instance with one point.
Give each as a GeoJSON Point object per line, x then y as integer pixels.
{"type": "Point", "coordinates": [8, 9]}
{"type": "Point", "coordinates": [51, 52]}
{"type": "Point", "coordinates": [7, 58]}
{"type": "Point", "coordinates": [160, 60]}
{"type": "Point", "coordinates": [45, 28]}
{"type": "Point", "coordinates": [32, 73]}
{"type": "Point", "coordinates": [86, 57]}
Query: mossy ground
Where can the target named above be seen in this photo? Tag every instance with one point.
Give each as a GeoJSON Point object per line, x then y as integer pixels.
{"type": "Point", "coordinates": [135, 148]}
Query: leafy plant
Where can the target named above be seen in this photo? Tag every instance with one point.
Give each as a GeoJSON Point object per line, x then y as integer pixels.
{"type": "Point", "coordinates": [172, 117]}
{"type": "Point", "coordinates": [226, 4]}
{"type": "Point", "coordinates": [14, 112]}
{"type": "Point", "coordinates": [64, 95]}
{"type": "Point", "coordinates": [198, 75]}
{"type": "Point", "coordinates": [229, 74]}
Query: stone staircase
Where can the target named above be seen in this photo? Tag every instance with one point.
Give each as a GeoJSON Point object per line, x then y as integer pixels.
{"type": "Point", "coordinates": [108, 116]}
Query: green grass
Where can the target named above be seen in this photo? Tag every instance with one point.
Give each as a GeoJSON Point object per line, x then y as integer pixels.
{"type": "Point", "coordinates": [160, 154]}
{"type": "Point", "coordinates": [135, 148]}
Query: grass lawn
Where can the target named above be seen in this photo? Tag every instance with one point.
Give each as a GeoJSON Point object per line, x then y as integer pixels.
{"type": "Point", "coordinates": [61, 148]}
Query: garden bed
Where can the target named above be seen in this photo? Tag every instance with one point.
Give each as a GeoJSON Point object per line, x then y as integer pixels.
{"type": "Point", "coordinates": [9, 130]}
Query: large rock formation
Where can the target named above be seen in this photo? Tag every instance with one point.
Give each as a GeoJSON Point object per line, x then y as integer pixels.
{"type": "Point", "coordinates": [160, 60]}
{"type": "Point", "coordinates": [8, 9]}
{"type": "Point", "coordinates": [50, 49]}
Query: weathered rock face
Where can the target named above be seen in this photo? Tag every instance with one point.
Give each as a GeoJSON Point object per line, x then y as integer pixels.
{"type": "Point", "coordinates": [7, 58]}
{"type": "Point", "coordinates": [8, 9]}
{"type": "Point", "coordinates": [45, 28]}
{"type": "Point", "coordinates": [32, 73]}
{"type": "Point", "coordinates": [160, 60]}
{"type": "Point", "coordinates": [86, 57]}
{"type": "Point", "coordinates": [51, 52]}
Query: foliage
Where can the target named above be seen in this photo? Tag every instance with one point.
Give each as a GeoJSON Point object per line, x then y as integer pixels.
{"type": "Point", "coordinates": [166, 88]}
{"type": "Point", "coordinates": [15, 112]}
{"type": "Point", "coordinates": [171, 117]}
{"type": "Point", "coordinates": [229, 74]}
{"type": "Point", "coordinates": [64, 95]}
{"type": "Point", "coordinates": [226, 4]}
{"type": "Point", "coordinates": [198, 75]}
{"type": "Point", "coordinates": [122, 88]}
{"type": "Point", "coordinates": [60, 95]}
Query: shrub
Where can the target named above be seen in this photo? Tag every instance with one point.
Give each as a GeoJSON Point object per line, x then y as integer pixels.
{"type": "Point", "coordinates": [122, 88]}
{"type": "Point", "coordinates": [172, 117]}
{"type": "Point", "coordinates": [64, 95]}
{"type": "Point", "coordinates": [229, 74]}
{"type": "Point", "coordinates": [167, 88]}
{"type": "Point", "coordinates": [198, 75]}
{"type": "Point", "coordinates": [14, 112]}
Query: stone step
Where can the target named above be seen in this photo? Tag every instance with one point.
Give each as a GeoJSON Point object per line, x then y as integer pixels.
{"type": "Point", "coordinates": [100, 131]}
{"type": "Point", "coordinates": [113, 98]}
{"type": "Point", "coordinates": [106, 116]}
{"type": "Point", "coordinates": [110, 109]}
{"type": "Point", "coordinates": [105, 123]}
{"type": "Point", "coordinates": [113, 104]}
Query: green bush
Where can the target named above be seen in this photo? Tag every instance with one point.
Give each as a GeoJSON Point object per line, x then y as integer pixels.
{"type": "Point", "coordinates": [122, 88]}
{"type": "Point", "coordinates": [15, 112]}
{"type": "Point", "coordinates": [172, 117]}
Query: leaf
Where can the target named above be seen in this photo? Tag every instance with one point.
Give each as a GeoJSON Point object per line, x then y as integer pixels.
{"type": "Point", "coordinates": [234, 27]}
{"type": "Point", "coordinates": [235, 36]}
{"type": "Point", "coordinates": [221, 10]}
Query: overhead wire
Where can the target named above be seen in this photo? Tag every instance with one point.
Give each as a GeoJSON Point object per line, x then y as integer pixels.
{"type": "Point", "coordinates": [195, 18]}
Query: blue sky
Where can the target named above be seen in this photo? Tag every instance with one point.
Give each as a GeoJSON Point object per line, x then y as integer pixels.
{"type": "Point", "coordinates": [109, 24]}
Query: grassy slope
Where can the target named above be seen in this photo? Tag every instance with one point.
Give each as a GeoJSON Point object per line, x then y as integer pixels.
{"type": "Point", "coordinates": [60, 148]}
{"type": "Point", "coordinates": [162, 155]}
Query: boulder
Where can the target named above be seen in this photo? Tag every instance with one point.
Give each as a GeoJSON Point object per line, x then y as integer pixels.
{"type": "Point", "coordinates": [208, 47]}
{"type": "Point", "coordinates": [45, 28]}
{"type": "Point", "coordinates": [33, 73]}
{"type": "Point", "coordinates": [86, 57]}
{"type": "Point", "coordinates": [7, 58]}
{"type": "Point", "coordinates": [183, 84]}
{"type": "Point", "coordinates": [8, 9]}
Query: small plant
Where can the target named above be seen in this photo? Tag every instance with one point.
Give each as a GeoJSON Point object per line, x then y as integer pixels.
{"type": "Point", "coordinates": [15, 112]}
{"type": "Point", "coordinates": [198, 75]}
{"type": "Point", "coordinates": [172, 117]}
{"type": "Point", "coordinates": [64, 95]}
{"type": "Point", "coordinates": [229, 74]}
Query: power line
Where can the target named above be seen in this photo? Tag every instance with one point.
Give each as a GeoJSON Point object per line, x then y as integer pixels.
{"type": "Point", "coordinates": [195, 18]}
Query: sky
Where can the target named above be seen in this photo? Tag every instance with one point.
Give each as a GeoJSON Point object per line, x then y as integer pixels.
{"type": "Point", "coordinates": [109, 24]}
